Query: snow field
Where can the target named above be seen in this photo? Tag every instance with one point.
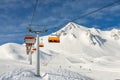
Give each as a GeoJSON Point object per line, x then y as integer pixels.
{"type": "Point", "coordinates": [83, 54]}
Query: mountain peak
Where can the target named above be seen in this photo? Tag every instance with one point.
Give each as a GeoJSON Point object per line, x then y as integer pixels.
{"type": "Point", "coordinates": [70, 26]}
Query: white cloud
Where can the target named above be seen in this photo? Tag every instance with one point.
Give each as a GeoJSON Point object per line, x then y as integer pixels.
{"type": "Point", "coordinates": [15, 4]}
{"type": "Point", "coordinates": [5, 38]}
{"type": "Point", "coordinates": [83, 21]}
{"type": "Point", "coordinates": [105, 13]}
{"type": "Point", "coordinates": [115, 8]}
{"type": "Point", "coordinates": [96, 15]}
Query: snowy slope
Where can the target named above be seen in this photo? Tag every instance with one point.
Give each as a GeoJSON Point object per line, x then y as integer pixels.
{"type": "Point", "coordinates": [12, 51]}
{"type": "Point", "coordinates": [81, 54]}
{"type": "Point", "coordinates": [81, 44]}
{"type": "Point", "coordinates": [78, 44]}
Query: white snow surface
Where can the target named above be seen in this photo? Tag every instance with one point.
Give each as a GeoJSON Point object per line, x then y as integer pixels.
{"type": "Point", "coordinates": [82, 54]}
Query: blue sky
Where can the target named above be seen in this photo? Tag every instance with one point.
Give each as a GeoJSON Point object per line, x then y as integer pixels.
{"type": "Point", "coordinates": [15, 15]}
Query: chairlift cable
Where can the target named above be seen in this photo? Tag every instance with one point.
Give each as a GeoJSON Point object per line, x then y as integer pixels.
{"type": "Point", "coordinates": [108, 5]}
{"type": "Point", "coordinates": [33, 14]}
{"type": "Point", "coordinates": [94, 11]}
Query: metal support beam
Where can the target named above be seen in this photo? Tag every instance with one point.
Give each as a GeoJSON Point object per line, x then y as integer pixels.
{"type": "Point", "coordinates": [37, 56]}
{"type": "Point", "coordinates": [37, 52]}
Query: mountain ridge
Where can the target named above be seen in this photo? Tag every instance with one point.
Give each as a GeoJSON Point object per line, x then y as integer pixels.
{"type": "Point", "coordinates": [77, 44]}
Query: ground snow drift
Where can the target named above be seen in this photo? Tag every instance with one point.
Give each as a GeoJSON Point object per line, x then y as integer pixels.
{"type": "Point", "coordinates": [59, 74]}
{"type": "Point", "coordinates": [12, 51]}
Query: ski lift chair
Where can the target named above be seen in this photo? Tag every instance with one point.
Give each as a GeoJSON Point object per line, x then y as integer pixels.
{"type": "Point", "coordinates": [54, 39]}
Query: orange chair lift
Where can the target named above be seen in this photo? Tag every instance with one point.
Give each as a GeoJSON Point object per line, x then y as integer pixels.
{"type": "Point", "coordinates": [54, 39]}
{"type": "Point", "coordinates": [34, 49]}
{"type": "Point", "coordinates": [29, 40]}
{"type": "Point", "coordinates": [41, 43]}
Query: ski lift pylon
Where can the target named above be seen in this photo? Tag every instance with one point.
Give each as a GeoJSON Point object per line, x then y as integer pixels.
{"type": "Point", "coordinates": [27, 50]}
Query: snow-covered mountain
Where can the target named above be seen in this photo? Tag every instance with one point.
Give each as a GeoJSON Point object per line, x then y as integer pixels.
{"type": "Point", "coordinates": [81, 44]}
{"type": "Point", "coordinates": [81, 49]}
{"type": "Point", "coordinates": [77, 44]}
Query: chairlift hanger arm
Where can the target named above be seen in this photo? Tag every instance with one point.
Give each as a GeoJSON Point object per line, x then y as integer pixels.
{"type": "Point", "coordinates": [38, 25]}
{"type": "Point", "coordinates": [35, 31]}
